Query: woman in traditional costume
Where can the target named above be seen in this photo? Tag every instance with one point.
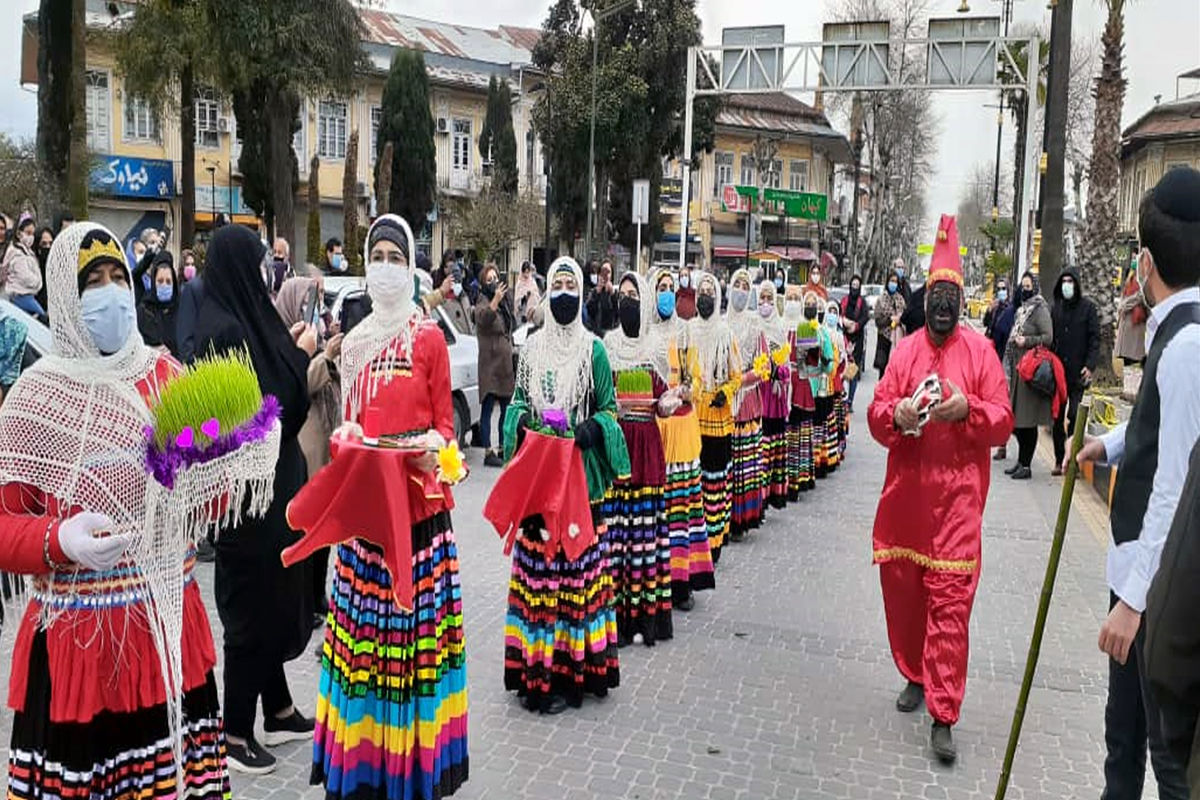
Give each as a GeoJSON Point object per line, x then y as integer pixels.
{"type": "Point", "coordinates": [92, 713]}
{"type": "Point", "coordinates": [710, 337]}
{"type": "Point", "coordinates": [746, 470]}
{"type": "Point", "coordinates": [639, 543]}
{"type": "Point", "coordinates": [837, 441]}
{"type": "Point", "coordinates": [561, 628]}
{"type": "Point", "coordinates": [821, 370]}
{"type": "Point", "coordinates": [691, 555]}
{"type": "Point", "coordinates": [803, 336]}
{"type": "Point", "coordinates": [392, 701]}
{"type": "Point", "coordinates": [775, 396]}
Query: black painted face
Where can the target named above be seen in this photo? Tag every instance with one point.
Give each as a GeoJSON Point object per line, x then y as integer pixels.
{"type": "Point", "coordinates": [943, 308]}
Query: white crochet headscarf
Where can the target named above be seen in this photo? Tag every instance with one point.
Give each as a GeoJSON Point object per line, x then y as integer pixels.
{"type": "Point", "coordinates": [386, 334]}
{"type": "Point", "coordinates": [555, 370]}
{"type": "Point", "coordinates": [744, 324]}
{"type": "Point", "coordinates": [73, 427]}
{"type": "Point", "coordinates": [771, 326]}
{"type": "Point", "coordinates": [711, 339]}
{"type": "Point", "coordinates": [625, 352]}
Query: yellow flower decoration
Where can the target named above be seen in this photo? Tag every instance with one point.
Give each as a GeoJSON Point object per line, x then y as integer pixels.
{"type": "Point", "coordinates": [782, 355]}
{"type": "Point", "coordinates": [451, 467]}
{"type": "Point", "coordinates": [762, 366]}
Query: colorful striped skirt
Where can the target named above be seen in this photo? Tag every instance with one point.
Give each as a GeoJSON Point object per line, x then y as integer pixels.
{"type": "Point", "coordinates": [115, 756]}
{"type": "Point", "coordinates": [746, 478]}
{"type": "Point", "coordinates": [842, 412]}
{"type": "Point", "coordinates": [774, 455]}
{"type": "Point", "coordinates": [691, 556]}
{"type": "Point", "coordinates": [823, 425]}
{"type": "Point", "coordinates": [392, 698]}
{"type": "Point", "coordinates": [715, 457]}
{"type": "Point", "coordinates": [800, 453]}
{"type": "Point", "coordinates": [639, 557]}
{"type": "Point", "coordinates": [560, 634]}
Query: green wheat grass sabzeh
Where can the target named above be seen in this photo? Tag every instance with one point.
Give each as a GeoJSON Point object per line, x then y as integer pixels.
{"type": "Point", "coordinates": [224, 387]}
{"type": "Point", "coordinates": [635, 382]}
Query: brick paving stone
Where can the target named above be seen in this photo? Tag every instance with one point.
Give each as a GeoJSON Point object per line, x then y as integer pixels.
{"type": "Point", "coordinates": [780, 683]}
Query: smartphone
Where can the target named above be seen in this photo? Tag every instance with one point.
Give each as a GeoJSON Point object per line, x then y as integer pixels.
{"type": "Point", "coordinates": [312, 307]}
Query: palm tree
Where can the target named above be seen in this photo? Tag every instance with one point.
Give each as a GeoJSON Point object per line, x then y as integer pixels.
{"type": "Point", "coordinates": [1097, 251]}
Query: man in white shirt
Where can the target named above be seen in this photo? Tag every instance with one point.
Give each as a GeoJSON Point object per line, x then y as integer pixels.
{"type": "Point", "coordinates": [1153, 450]}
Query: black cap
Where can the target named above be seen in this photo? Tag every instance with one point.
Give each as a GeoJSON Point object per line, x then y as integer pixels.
{"type": "Point", "coordinates": [1178, 194]}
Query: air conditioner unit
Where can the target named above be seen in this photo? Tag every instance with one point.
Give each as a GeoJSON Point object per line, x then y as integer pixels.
{"type": "Point", "coordinates": [223, 124]}
{"type": "Point", "coordinates": [443, 125]}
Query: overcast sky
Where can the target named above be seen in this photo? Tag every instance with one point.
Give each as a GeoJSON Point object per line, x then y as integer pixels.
{"type": "Point", "coordinates": [1162, 39]}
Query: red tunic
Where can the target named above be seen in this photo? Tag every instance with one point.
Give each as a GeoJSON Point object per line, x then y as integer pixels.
{"type": "Point", "coordinates": [417, 398]}
{"type": "Point", "coordinates": [101, 653]}
{"type": "Point", "coordinates": [931, 509]}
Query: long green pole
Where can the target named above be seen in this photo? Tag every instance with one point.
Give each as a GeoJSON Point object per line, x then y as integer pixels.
{"type": "Point", "coordinates": [1039, 625]}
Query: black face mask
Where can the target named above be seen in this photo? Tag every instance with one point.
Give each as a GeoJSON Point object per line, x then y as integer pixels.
{"type": "Point", "coordinates": [854, 290]}
{"type": "Point", "coordinates": [705, 305]}
{"type": "Point", "coordinates": [1026, 294]}
{"type": "Point", "coordinates": [488, 289]}
{"type": "Point", "coordinates": [564, 308]}
{"type": "Point", "coordinates": [629, 311]}
{"type": "Point", "coordinates": [810, 312]}
{"type": "Point", "coordinates": [941, 304]}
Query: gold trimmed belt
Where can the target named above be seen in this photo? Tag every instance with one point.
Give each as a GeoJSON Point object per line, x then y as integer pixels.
{"type": "Point", "coordinates": [893, 553]}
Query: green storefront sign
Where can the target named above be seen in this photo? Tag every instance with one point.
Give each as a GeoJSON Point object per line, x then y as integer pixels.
{"type": "Point", "coordinates": [784, 203]}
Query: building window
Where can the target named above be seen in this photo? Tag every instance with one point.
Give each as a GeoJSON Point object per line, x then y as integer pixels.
{"type": "Point", "coordinates": [749, 172]}
{"type": "Point", "coordinates": [376, 120]}
{"type": "Point", "coordinates": [776, 178]}
{"type": "Point", "coordinates": [462, 145]}
{"type": "Point", "coordinates": [724, 172]}
{"type": "Point", "coordinates": [97, 104]}
{"type": "Point", "coordinates": [208, 114]}
{"type": "Point", "coordinates": [331, 129]}
{"type": "Point", "coordinates": [530, 156]}
{"type": "Point", "coordinates": [141, 121]}
{"type": "Point", "coordinates": [798, 177]}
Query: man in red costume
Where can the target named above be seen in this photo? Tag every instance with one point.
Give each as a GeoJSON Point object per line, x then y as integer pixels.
{"type": "Point", "coordinates": [928, 525]}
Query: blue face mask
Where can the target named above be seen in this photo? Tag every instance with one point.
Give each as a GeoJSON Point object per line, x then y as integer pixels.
{"type": "Point", "coordinates": [900, 271]}
{"type": "Point", "coordinates": [338, 262]}
{"type": "Point", "coordinates": [164, 292]}
{"type": "Point", "coordinates": [666, 304]}
{"type": "Point", "coordinates": [108, 316]}
{"type": "Point", "coordinates": [1002, 295]}
{"type": "Point", "coordinates": [892, 287]}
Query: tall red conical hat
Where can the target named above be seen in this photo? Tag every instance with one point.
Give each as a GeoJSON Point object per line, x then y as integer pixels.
{"type": "Point", "coordinates": [946, 263]}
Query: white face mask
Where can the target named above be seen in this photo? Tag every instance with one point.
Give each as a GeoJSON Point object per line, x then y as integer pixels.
{"type": "Point", "coordinates": [390, 286]}
{"type": "Point", "coordinates": [27, 239]}
{"type": "Point", "coordinates": [1068, 291]}
{"type": "Point", "coordinates": [1142, 284]}
{"type": "Point", "coordinates": [109, 316]}
{"type": "Point", "coordinates": [793, 310]}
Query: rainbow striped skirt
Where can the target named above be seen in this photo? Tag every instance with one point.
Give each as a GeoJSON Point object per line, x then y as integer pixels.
{"type": "Point", "coordinates": [560, 634]}
{"type": "Point", "coordinates": [392, 702]}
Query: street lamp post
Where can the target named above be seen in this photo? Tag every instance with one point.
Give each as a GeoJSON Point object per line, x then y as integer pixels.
{"type": "Point", "coordinates": [597, 17]}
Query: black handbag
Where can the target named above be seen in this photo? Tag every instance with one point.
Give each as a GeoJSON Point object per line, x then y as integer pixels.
{"type": "Point", "coordinates": [1043, 381]}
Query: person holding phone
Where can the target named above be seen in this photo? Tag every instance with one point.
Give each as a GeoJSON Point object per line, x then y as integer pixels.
{"type": "Point", "coordinates": [494, 324]}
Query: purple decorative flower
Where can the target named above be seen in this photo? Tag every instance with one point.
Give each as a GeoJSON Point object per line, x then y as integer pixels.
{"type": "Point", "coordinates": [555, 419]}
{"type": "Point", "coordinates": [164, 464]}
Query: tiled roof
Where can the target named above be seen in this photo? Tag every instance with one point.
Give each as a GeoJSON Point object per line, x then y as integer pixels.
{"type": "Point", "coordinates": [782, 113]}
{"type": "Point", "coordinates": [505, 45]}
{"type": "Point", "coordinates": [1172, 120]}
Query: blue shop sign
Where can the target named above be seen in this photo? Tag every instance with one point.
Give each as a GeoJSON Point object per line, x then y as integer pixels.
{"type": "Point", "coordinates": [121, 176]}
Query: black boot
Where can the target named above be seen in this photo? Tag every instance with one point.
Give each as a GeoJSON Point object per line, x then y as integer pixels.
{"type": "Point", "coordinates": [910, 697]}
{"type": "Point", "coordinates": [1013, 469]}
{"type": "Point", "coordinates": [1022, 474]}
{"type": "Point", "coordinates": [942, 742]}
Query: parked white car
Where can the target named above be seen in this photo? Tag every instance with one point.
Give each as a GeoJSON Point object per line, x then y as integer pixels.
{"type": "Point", "coordinates": [463, 347]}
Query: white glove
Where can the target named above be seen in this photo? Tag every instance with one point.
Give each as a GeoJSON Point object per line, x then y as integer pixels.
{"type": "Point", "coordinates": [78, 539]}
{"type": "Point", "coordinates": [348, 431]}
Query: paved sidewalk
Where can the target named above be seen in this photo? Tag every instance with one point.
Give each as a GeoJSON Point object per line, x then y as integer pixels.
{"type": "Point", "coordinates": [780, 683]}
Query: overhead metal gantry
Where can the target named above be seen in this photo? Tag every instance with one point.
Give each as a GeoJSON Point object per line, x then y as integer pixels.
{"type": "Point", "coordinates": [961, 53]}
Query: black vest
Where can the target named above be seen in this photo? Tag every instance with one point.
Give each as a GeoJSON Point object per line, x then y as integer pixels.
{"type": "Point", "coordinates": [1135, 478]}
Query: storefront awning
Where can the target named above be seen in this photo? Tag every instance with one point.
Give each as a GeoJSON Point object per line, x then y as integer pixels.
{"type": "Point", "coordinates": [725, 251]}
